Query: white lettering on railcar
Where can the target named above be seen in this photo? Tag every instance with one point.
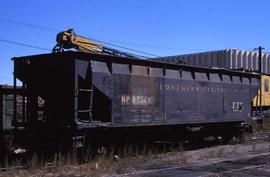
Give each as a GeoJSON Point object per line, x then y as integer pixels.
{"type": "Point", "coordinates": [191, 88]}
{"type": "Point", "coordinates": [137, 100]}
{"type": "Point", "coordinates": [125, 99]}
{"type": "Point", "coordinates": [238, 106]}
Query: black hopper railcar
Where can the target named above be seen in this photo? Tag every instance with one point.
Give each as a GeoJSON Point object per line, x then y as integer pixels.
{"type": "Point", "coordinates": [103, 99]}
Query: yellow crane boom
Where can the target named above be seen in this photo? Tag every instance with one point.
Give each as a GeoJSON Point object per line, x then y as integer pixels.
{"type": "Point", "coordinates": [69, 40]}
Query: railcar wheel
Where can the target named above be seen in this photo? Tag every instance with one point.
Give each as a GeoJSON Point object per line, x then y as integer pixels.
{"type": "Point", "coordinates": [227, 138]}
{"type": "Point", "coordinates": [242, 136]}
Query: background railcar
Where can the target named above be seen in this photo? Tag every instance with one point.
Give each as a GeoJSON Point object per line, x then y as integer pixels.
{"type": "Point", "coordinates": [7, 106]}
{"type": "Point", "coordinates": [8, 140]}
{"type": "Point", "coordinates": [89, 97]}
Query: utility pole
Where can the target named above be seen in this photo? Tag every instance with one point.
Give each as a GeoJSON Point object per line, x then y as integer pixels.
{"type": "Point", "coordinates": [260, 72]}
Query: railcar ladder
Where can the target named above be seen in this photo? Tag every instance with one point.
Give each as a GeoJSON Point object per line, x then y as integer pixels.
{"type": "Point", "coordinates": [91, 94]}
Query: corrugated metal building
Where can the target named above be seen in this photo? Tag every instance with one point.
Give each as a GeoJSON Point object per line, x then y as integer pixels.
{"type": "Point", "coordinates": [228, 58]}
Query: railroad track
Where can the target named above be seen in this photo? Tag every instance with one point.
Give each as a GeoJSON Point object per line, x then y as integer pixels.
{"type": "Point", "coordinates": [262, 136]}
{"type": "Point", "coordinates": [25, 167]}
{"type": "Point", "coordinates": [13, 168]}
{"type": "Point", "coordinates": [225, 167]}
{"type": "Point", "coordinates": [228, 172]}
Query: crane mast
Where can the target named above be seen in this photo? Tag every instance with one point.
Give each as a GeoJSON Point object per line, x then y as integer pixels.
{"type": "Point", "coordinates": [69, 40]}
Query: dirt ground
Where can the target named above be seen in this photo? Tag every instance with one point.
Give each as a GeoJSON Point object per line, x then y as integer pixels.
{"type": "Point", "coordinates": [114, 166]}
